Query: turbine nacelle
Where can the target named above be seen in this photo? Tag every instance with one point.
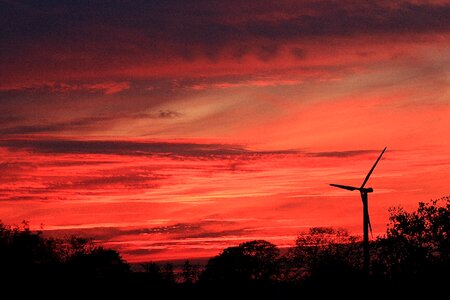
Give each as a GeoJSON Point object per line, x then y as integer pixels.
{"type": "Point", "coordinates": [366, 190]}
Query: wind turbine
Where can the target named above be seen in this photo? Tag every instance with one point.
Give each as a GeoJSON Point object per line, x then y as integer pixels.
{"type": "Point", "coordinates": [366, 220]}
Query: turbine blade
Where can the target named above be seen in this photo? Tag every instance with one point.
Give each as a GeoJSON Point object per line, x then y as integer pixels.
{"type": "Point", "coordinates": [371, 170]}
{"type": "Point", "coordinates": [370, 226]}
{"type": "Point", "coordinates": [345, 187]}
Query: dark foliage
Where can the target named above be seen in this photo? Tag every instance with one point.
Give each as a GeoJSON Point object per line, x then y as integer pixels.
{"type": "Point", "coordinates": [416, 247]}
{"type": "Point", "coordinates": [27, 255]}
{"type": "Point", "coordinates": [412, 257]}
{"type": "Point", "coordinates": [255, 261]}
{"type": "Point", "coordinates": [190, 273]}
{"type": "Point", "coordinates": [325, 257]}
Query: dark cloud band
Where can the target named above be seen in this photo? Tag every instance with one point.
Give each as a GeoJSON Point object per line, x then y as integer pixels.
{"type": "Point", "coordinates": [120, 33]}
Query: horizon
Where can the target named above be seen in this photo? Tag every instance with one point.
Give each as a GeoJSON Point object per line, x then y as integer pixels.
{"type": "Point", "coordinates": [167, 130]}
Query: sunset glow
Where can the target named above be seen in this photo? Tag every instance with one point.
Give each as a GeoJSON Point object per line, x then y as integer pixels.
{"type": "Point", "coordinates": [171, 129]}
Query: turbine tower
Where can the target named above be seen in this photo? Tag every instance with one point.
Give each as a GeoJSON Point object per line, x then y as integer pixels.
{"type": "Point", "coordinates": [366, 220]}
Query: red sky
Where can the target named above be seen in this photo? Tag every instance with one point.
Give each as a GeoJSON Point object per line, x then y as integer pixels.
{"type": "Point", "coordinates": [173, 129]}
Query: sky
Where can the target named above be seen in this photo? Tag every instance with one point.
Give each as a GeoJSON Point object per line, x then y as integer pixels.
{"type": "Point", "coordinates": [174, 129]}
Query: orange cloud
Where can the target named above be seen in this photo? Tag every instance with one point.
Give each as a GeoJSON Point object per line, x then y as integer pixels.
{"type": "Point", "coordinates": [194, 204]}
{"type": "Point", "coordinates": [173, 130]}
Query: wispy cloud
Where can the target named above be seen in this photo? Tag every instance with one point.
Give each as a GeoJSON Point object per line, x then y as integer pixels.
{"type": "Point", "coordinates": [198, 229]}
{"type": "Point", "coordinates": [348, 153]}
{"type": "Point", "coordinates": [130, 180]}
{"type": "Point", "coordinates": [107, 88]}
{"type": "Point", "coordinates": [125, 147]}
{"type": "Point", "coordinates": [86, 123]}
{"type": "Point", "coordinates": [217, 93]}
{"type": "Point", "coordinates": [250, 83]}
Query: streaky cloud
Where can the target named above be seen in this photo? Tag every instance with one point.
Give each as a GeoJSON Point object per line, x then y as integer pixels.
{"type": "Point", "coordinates": [107, 88]}
{"type": "Point", "coordinates": [200, 229]}
{"type": "Point", "coordinates": [123, 147]}
{"type": "Point", "coordinates": [348, 153]}
{"type": "Point", "coordinates": [84, 123]}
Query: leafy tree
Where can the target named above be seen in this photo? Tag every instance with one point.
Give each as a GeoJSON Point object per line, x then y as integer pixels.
{"type": "Point", "coordinates": [167, 273]}
{"type": "Point", "coordinates": [190, 272]}
{"type": "Point", "coordinates": [160, 275]}
{"type": "Point", "coordinates": [153, 271]}
{"type": "Point", "coordinates": [255, 261]}
{"type": "Point", "coordinates": [24, 253]}
{"type": "Point", "coordinates": [428, 227]}
{"type": "Point", "coordinates": [323, 252]}
{"type": "Point", "coordinates": [29, 255]}
{"type": "Point", "coordinates": [97, 262]}
{"type": "Point", "coordinates": [417, 244]}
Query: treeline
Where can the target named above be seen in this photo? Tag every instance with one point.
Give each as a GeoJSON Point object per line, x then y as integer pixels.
{"type": "Point", "coordinates": [413, 255]}
{"type": "Point", "coordinates": [27, 255]}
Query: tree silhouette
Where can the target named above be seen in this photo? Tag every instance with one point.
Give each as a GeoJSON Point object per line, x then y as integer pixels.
{"type": "Point", "coordinates": [428, 227]}
{"type": "Point", "coordinates": [325, 257]}
{"type": "Point", "coordinates": [97, 263]}
{"type": "Point", "coordinates": [414, 252]}
{"type": "Point", "coordinates": [27, 255]}
{"type": "Point", "coordinates": [250, 261]}
{"type": "Point", "coordinates": [190, 272]}
{"type": "Point", "coordinates": [153, 271]}
{"type": "Point", "coordinates": [167, 273]}
{"type": "Point", "coordinates": [23, 254]}
{"type": "Point", "coordinates": [416, 248]}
